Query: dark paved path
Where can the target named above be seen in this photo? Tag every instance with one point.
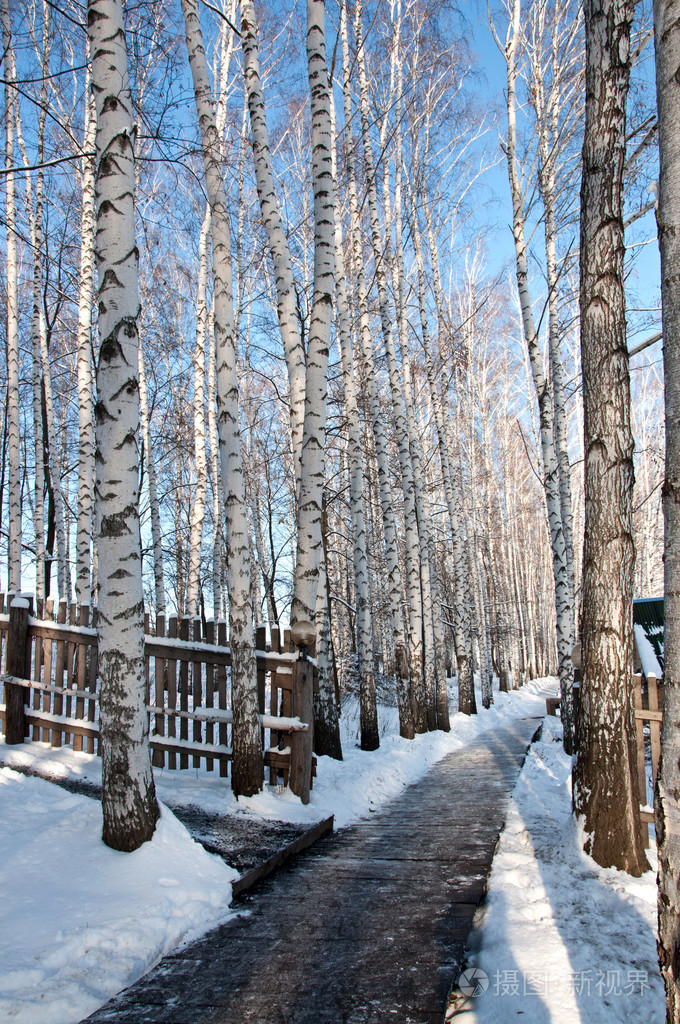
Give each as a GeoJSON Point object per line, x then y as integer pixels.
{"type": "Point", "coordinates": [367, 926]}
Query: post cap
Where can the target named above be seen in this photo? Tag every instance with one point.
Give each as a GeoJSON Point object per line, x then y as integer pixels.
{"type": "Point", "coordinates": [303, 633]}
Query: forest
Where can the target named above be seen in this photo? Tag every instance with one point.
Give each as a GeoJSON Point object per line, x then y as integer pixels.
{"type": "Point", "coordinates": [350, 387]}
{"type": "Point", "coordinates": [342, 322]}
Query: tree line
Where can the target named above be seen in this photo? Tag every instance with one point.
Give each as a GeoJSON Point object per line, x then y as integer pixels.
{"type": "Point", "coordinates": [264, 364]}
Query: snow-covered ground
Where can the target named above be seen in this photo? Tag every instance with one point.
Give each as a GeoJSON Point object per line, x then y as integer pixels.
{"type": "Point", "coordinates": [560, 939]}
{"type": "Point", "coordinates": [78, 922]}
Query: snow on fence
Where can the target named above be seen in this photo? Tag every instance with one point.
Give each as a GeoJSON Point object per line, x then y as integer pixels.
{"type": "Point", "coordinates": [50, 687]}
{"type": "Point", "coordinates": [648, 704]}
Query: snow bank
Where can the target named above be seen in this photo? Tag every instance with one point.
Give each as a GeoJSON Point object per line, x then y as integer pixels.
{"type": "Point", "coordinates": [561, 940]}
{"type": "Point", "coordinates": [78, 921]}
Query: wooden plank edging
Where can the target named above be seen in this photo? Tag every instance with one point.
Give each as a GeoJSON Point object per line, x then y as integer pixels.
{"type": "Point", "coordinates": [257, 874]}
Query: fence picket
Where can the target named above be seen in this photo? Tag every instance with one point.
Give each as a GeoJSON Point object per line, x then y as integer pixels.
{"type": "Point", "coordinates": [160, 689]}
{"type": "Point", "coordinates": [37, 667]}
{"type": "Point", "coordinates": [197, 690]}
{"type": "Point", "coordinates": [222, 690]}
{"type": "Point", "coordinates": [61, 669]}
{"type": "Point", "coordinates": [209, 692]}
{"type": "Point", "coordinates": [172, 691]}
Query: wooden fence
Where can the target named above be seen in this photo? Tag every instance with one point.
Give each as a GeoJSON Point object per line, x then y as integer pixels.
{"type": "Point", "coordinates": [50, 690]}
{"type": "Point", "coordinates": [648, 704]}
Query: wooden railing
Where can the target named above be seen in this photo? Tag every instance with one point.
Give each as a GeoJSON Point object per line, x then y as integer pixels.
{"type": "Point", "coordinates": [647, 710]}
{"type": "Point", "coordinates": [50, 690]}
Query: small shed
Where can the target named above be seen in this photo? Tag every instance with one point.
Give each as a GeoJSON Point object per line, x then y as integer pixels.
{"type": "Point", "coordinates": [648, 623]}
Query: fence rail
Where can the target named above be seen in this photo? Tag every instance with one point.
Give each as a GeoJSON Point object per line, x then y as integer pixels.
{"type": "Point", "coordinates": [50, 689]}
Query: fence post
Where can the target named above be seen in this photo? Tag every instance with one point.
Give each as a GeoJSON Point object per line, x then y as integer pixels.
{"type": "Point", "coordinates": [17, 664]}
{"type": "Point", "coordinates": [260, 645]}
{"type": "Point", "coordinates": [301, 742]}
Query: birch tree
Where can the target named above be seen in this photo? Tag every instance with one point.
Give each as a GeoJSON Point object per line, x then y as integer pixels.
{"type": "Point", "coordinates": [370, 738]}
{"type": "Point", "coordinates": [309, 537]}
{"type": "Point", "coordinates": [416, 653]}
{"type": "Point", "coordinates": [85, 381]}
{"type": "Point", "coordinates": [405, 704]}
{"type": "Point", "coordinates": [563, 609]}
{"type": "Point", "coordinates": [13, 438]}
{"type": "Point", "coordinates": [286, 305]}
{"type": "Point", "coordinates": [247, 765]}
{"type": "Point", "coordinates": [200, 459]}
{"type": "Point", "coordinates": [128, 794]}
{"type": "Point", "coordinates": [667, 797]}
{"type": "Point", "coordinates": [605, 791]}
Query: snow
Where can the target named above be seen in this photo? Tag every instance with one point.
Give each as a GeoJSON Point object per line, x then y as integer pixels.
{"type": "Point", "coordinates": [561, 939]}
{"type": "Point", "coordinates": [648, 658]}
{"type": "Point", "coordinates": [78, 921]}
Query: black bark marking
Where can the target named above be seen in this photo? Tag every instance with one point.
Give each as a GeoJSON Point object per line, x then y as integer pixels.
{"type": "Point", "coordinates": [116, 524]}
{"type": "Point", "coordinates": [110, 281]}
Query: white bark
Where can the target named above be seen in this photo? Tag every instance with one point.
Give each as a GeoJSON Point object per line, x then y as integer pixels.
{"type": "Point", "coordinates": [309, 538]}
{"type": "Point", "coordinates": [412, 539]}
{"type": "Point", "coordinates": [85, 372]}
{"type": "Point", "coordinates": [564, 613]}
{"type": "Point", "coordinates": [247, 770]}
{"type": "Point", "coordinates": [13, 438]}
{"type": "Point", "coordinates": [286, 305]}
{"type": "Point", "coordinates": [462, 622]}
{"type": "Point", "coordinates": [549, 106]}
{"type": "Point", "coordinates": [406, 715]}
{"type": "Point", "coordinates": [326, 724]}
{"type": "Point", "coordinates": [200, 460]}
{"type": "Point", "coordinates": [35, 219]}
{"type": "Point", "coordinates": [370, 737]}
{"type": "Point", "coordinates": [433, 640]}
{"type": "Point", "coordinates": [218, 534]}
{"type": "Point", "coordinates": [128, 796]}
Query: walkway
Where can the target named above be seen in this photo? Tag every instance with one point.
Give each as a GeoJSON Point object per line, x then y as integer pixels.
{"type": "Point", "coordinates": [367, 926]}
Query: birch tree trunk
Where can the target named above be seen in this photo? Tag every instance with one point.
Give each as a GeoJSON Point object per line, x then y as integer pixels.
{"type": "Point", "coordinates": [13, 438]}
{"type": "Point", "coordinates": [286, 305]}
{"type": "Point", "coordinates": [433, 653]}
{"type": "Point", "coordinates": [370, 736]}
{"type": "Point", "coordinates": [200, 460]}
{"type": "Point", "coordinates": [218, 534]}
{"type": "Point", "coordinates": [128, 794]}
{"type": "Point", "coordinates": [416, 654]}
{"type": "Point", "coordinates": [35, 219]}
{"type": "Point", "coordinates": [605, 776]}
{"type": "Point", "coordinates": [36, 229]}
{"type": "Point", "coordinates": [326, 724]}
{"type": "Point", "coordinates": [36, 236]}
{"type": "Point", "coordinates": [247, 767]}
{"type": "Point", "coordinates": [309, 537]}
{"type": "Point", "coordinates": [546, 173]}
{"type": "Point", "coordinates": [404, 697]}
{"type": "Point", "coordinates": [85, 376]}
{"type": "Point", "coordinates": [462, 623]}
{"type": "Point", "coordinates": [564, 614]}
{"type": "Point", "coordinates": [667, 797]}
